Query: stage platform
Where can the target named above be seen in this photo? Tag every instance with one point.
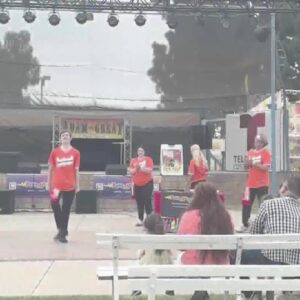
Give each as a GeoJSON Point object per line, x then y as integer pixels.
{"type": "Point", "coordinates": [114, 191]}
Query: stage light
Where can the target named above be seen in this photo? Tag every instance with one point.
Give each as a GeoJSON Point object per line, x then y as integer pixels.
{"type": "Point", "coordinates": [249, 4]}
{"type": "Point", "coordinates": [113, 20]}
{"type": "Point", "coordinates": [29, 16]}
{"type": "Point", "coordinates": [4, 17]}
{"type": "Point", "coordinates": [171, 21]}
{"type": "Point", "coordinates": [54, 19]}
{"type": "Point", "coordinates": [254, 18]}
{"type": "Point", "coordinates": [225, 21]}
{"type": "Point", "coordinates": [140, 20]}
{"type": "Point", "coordinates": [81, 18]}
{"type": "Point", "coordinates": [200, 19]}
{"type": "Point", "coordinates": [262, 33]}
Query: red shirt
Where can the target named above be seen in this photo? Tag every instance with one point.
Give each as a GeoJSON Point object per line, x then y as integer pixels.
{"type": "Point", "coordinates": [257, 177]}
{"type": "Point", "coordinates": [198, 172]}
{"type": "Point", "coordinates": [190, 223]}
{"type": "Point", "coordinates": [64, 165]}
{"type": "Point", "coordinates": [141, 178]}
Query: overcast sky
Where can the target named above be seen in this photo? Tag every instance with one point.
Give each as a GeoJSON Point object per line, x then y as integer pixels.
{"type": "Point", "coordinates": [100, 48]}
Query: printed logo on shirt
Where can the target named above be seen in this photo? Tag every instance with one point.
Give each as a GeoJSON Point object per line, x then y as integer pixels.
{"type": "Point", "coordinates": [256, 159]}
{"type": "Point", "coordinates": [142, 164]}
{"type": "Point", "coordinates": [64, 161]}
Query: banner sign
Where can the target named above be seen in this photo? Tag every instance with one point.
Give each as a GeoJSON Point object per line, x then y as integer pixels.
{"type": "Point", "coordinates": [113, 186]}
{"type": "Point", "coordinates": [94, 128]}
{"type": "Point", "coordinates": [27, 185]}
{"type": "Point", "coordinates": [171, 159]}
{"type": "Point", "coordinates": [240, 134]}
{"type": "Point", "coordinates": [174, 203]}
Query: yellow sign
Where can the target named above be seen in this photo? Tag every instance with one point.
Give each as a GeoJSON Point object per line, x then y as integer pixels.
{"type": "Point", "coordinates": [94, 128]}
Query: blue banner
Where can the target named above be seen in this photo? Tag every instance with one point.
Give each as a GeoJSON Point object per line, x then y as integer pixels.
{"type": "Point", "coordinates": [113, 186]}
{"type": "Point", "coordinates": [27, 185]}
{"type": "Point", "coordinates": [34, 185]}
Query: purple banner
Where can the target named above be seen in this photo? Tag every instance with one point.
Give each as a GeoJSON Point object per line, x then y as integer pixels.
{"type": "Point", "coordinates": [27, 185]}
{"type": "Point", "coordinates": [113, 186]}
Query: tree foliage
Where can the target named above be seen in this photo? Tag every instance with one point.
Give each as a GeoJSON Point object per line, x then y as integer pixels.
{"type": "Point", "coordinates": [210, 61]}
{"type": "Point", "coordinates": [19, 68]}
{"type": "Point", "coordinates": [289, 34]}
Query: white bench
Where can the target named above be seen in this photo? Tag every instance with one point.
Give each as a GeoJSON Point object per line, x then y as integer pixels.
{"type": "Point", "coordinates": [116, 242]}
{"type": "Point", "coordinates": [212, 278]}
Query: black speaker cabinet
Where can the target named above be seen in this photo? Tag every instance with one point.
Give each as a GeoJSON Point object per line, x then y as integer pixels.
{"type": "Point", "coordinates": [116, 170]}
{"type": "Point", "coordinates": [7, 202]}
{"type": "Point", "coordinates": [86, 202]}
{"type": "Point", "coordinates": [202, 136]}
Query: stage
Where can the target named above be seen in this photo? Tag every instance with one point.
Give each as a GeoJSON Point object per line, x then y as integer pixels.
{"type": "Point", "coordinates": [114, 191]}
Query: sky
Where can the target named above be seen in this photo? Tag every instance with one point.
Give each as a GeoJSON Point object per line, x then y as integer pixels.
{"type": "Point", "coordinates": [102, 61]}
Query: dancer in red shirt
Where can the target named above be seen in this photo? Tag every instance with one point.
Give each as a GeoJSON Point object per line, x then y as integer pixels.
{"type": "Point", "coordinates": [257, 162]}
{"type": "Point", "coordinates": [197, 167]}
{"type": "Point", "coordinates": [140, 169]}
{"type": "Point", "coordinates": [63, 182]}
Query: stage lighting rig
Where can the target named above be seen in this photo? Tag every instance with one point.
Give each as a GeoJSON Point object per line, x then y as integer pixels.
{"type": "Point", "coordinates": [113, 20]}
{"type": "Point", "coordinates": [225, 21]}
{"type": "Point", "coordinates": [4, 17]}
{"type": "Point", "coordinates": [200, 19]}
{"type": "Point", "coordinates": [172, 21]}
{"type": "Point", "coordinates": [54, 18]}
{"type": "Point", "coordinates": [81, 18]}
{"type": "Point", "coordinates": [29, 16]}
{"type": "Point", "coordinates": [140, 20]}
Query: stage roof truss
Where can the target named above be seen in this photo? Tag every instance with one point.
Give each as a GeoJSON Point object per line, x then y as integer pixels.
{"type": "Point", "coordinates": [158, 6]}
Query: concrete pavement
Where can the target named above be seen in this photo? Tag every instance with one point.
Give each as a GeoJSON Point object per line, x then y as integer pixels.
{"type": "Point", "coordinates": [31, 263]}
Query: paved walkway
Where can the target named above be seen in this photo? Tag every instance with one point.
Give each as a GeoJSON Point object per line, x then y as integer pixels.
{"type": "Point", "coordinates": [31, 263]}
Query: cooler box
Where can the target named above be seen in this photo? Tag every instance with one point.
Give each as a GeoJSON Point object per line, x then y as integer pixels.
{"type": "Point", "coordinates": [157, 202]}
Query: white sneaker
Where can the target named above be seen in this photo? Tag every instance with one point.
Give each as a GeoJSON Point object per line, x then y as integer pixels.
{"type": "Point", "coordinates": [139, 223]}
{"type": "Point", "coordinates": [242, 229]}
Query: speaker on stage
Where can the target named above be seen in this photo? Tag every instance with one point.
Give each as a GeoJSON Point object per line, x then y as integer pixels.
{"type": "Point", "coordinates": [9, 162]}
{"type": "Point", "coordinates": [202, 136]}
{"type": "Point", "coordinates": [116, 170]}
{"type": "Point", "coordinates": [7, 202]}
{"type": "Point", "coordinates": [86, 202]}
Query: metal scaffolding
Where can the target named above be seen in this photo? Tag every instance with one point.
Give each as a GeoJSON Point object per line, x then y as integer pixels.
{"type": "Point", "coordinates": [158, 6]}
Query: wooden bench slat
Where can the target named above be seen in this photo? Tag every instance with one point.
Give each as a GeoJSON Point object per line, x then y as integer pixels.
{"type": "Point", "coordinates": [225, 242]}
{"type": "Point", "coordinates": [106, 273]}
{"type": "Point", "coordinates": [187, 286]}
{"type": "Point", "coordinates": [214, 271]}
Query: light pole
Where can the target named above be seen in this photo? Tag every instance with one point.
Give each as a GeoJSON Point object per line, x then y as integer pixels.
{"type": "Point", "coordinates": [43, 79]}
{"type": "Point", "coordinates": [273, 105]}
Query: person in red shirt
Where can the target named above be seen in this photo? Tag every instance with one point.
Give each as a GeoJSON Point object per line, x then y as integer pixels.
{"type": "Point", "coordinates": [63, 182]}
{"type": "Point", "coordinates": [140, 169]}
{"type": "Point", "coordinates": [206, 215]}
{"type": "Point", "coordinates": [197, 167]}
{"type": "Point", "coordinates": [257, 162]}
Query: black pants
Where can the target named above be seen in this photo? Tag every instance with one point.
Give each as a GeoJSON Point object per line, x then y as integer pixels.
{"type": "Point", "coordinates": [143, 197]}
{"type": "Point", "coordinates": [62, 213]}
{"type": "Point", "coordinates": [254, 192]}
{"type": "Point", "coordinates": [193, 184]}
{"type": "Point", "coordinates": [255, 257]}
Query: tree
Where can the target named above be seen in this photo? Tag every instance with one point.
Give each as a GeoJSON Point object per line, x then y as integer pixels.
{"type": "Point", "coordinates": [18, 67]}
{"type": "Point", "coordinates": [211, 61]}
{"type": "Point", "coordinates": [289, 35]}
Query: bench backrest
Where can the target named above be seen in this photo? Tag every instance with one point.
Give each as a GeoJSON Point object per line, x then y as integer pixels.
{"type": "Point", "coordinates": [204, 242]}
